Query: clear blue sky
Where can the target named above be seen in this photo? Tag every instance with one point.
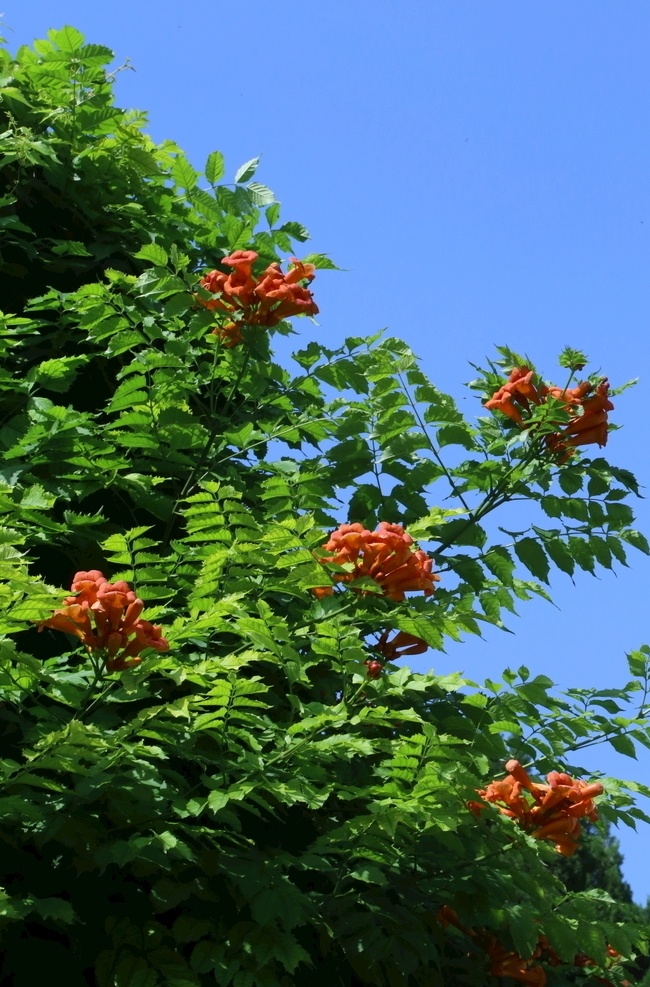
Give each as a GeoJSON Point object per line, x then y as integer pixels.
{"type": "Point", "coordinates": [481, 172]}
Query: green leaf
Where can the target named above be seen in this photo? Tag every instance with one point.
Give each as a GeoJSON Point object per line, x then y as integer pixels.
{"type": "Point", "coordinates": [70, 248]}
{"type": "Point", "coordinates": [153, 252]}
{"type": "Point", "coordinates": [601, 552]}
{"type": "Point", "coordinates": [218, 799]}
{"type": "Point", "coordinates": [598, 484]}
{"type": "Point", "coordinates": [37, 498]}
{"type": "Point", "coordinates": [369, 874]}
{"type": "Point", "coordinates": [55, 908]}
{"type": "Point", "coordinates": [282, 903]}
{"type": "Point", "coordinates": [530, 552]}
{"type": "Point", "coordinates": [215, 167]}
{"type": "Point", "coordinates": [183, 172]}
{"type": "Point", "coordinates": [57, 374]}
{"type": "Point", "coordinates": [623, 745]}
{"type": "Point", "coordinates": [427, 630]}
{"type": "Point", "coordinates": [552, 506]}
{"type": "Point", "coordinates": [500, 564]}
{"type": "Point", "coordinates": [619, 515]}
{"type": "Point", "coordinates": [247, 170]}
{"type": "Point", "coordinates": [638, 662]}
{"type": "Point", "coordinates": [321, 261]}
{"type": "Point", "coordinates": [260, 194]}
{"type": "Point", "coordinates": [570, 480]}
{"type": "Point", "coordinates": [68, 39]}
{"type": "Point", "coordinates": [296, 231]}
{"type": "Point", "coordinates": [581, 553]}
{"type": "Point", "coordinates": [637, 540]}
{"type": "Point", "coordinates": [617, 550]}
{"type": "Point", "coordinates": [206, 205]}
{"type": "Point", "coordinates": [560, 554]}
{"type": "Point", "coordinates": [462, 532]}
{"type": "Point", "coordinates": [456, 434]}
{"type": "Point", "coordinates": [524, 929]}
{"type": "Point", "coordinates": [273, 214]}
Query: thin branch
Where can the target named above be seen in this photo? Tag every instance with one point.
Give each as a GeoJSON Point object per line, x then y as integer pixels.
{"type": "Point", "coordinates": [432, 446]}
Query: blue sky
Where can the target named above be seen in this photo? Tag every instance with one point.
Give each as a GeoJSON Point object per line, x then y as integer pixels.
{"type": "Point", "coordinates": [480, 171]}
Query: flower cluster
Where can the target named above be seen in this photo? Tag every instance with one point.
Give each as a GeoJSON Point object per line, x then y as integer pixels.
{"type": "Point", "coordinates": [555, 810]}
{"type": "Point", "coordinates": [503, 962]}
{"type": "Point", "coordinates": [587, 427]}
{"type": "Point", "coordinates": [106, 618]}
{"type": "Point", "coordinates": [257, 301]}
{"type": "Point", "coordinates": [516, 394]}
{"type": "Point", "coordinates": [613, 956]}
{"type": "Point", "coordinates": [508, 963]}
{"type": "Point", "coordinates": [587, 404]}
{"type": "Point", "coordinates": [385, 555]}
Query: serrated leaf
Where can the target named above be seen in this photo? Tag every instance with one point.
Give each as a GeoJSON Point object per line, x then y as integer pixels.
{"type": "Point", "coordinates": [218, 799]}
{"type": "Point", "coordinates": [560, 555]}
{"type": "Point", "coordinates": [427, 630]}
{"type": "Point", "coordinates": [183, 173]}
{"type": "Point", "coordinates": [500, 564]}
{"type": "Point", "coordinates": [153, 252]}
{"type": "Point", "coordinates": [57, 375]}
{"type": "Point", "coordinates": [321, 262]}
{"type": "Point", "coordinates": [205, 204]}
{"type": "Point", "coordinates": [455, 434]}
{"type": "Point", "coordinates": [273, 214]}
{"type": "Point", "coordinates": [570, 480]}
{"type": "Point", "coordinates": [638, 663]}
{"type": "Point", "coordinates": [617, 550]}
{"type": "Point", "coordinates": [215, 167]}
{"type": "Point", "coordinates": [37, 498]}
{"type": "Point", "coordinates": [524, 929]}
{"type": "Point", "coordinates": [623, 745]}
{"type": "Point", "coordinates": [462, 532]}
{"type": "Point", "coordinates": [260, 194]}
{"type": "Point", "coordinates": [247, 170]}
{"type": "Point", "coordinates": [422, 527]}
{"type": "Point", "coordinates": [55, 908]}
{"type": "Point", "coordinates": [296, 231]}
{"type": "Point", "coordinates": [71, 248]}
{"type": "Point", "coordinates": [369, 874]}
{"type": "Point", "coordinates": [581, 553]}
{"type": "Point", "coordinates": [619, 515]}
{"type": "Point", "coordinates": [530, 552]}
{"type": "Point", "coordinates": [601, 552]}
{"type": "Point", "coordinates": [637, 540]}
{"type": "Point", "coordinates": [282, 903]}
{"type": "Point", "coordinates": [68, 39]}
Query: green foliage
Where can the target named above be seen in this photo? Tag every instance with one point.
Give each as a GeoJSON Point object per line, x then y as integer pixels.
{"type": "Point", "coordinates": [251, 808]}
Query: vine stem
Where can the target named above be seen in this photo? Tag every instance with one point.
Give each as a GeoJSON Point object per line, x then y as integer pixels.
{"type": "Point", "coordinates": [98, 669]}
{"type": "Point", "coordinates": [212, 436]}
{"type": "Point", "coordinates": [434, 449]}
{"type": "Point", "coordinates": [495, 498]}
{"type": "Point", "coordinates": [214, 431]}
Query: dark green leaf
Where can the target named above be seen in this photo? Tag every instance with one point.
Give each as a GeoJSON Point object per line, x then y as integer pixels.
{"type": "Point", "coordinates": [623, 745]}
{"type": "Point", "coordinates": [530, 552]}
